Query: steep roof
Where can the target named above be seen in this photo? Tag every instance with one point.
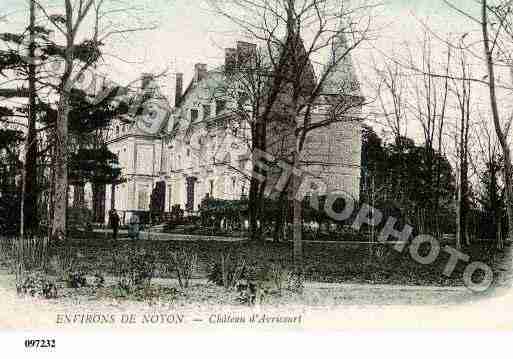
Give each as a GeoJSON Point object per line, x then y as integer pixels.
{"type": "Point", "coordinates": [342, 79]}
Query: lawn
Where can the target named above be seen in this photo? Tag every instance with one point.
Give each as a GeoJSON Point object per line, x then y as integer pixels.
{"type": "Point", "coordinates": [323, 262]}
{"type": "Point", "coordinates": [335, 274]}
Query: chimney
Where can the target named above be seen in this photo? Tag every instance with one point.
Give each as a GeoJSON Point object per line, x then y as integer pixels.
{"type": "Point", "coordinates": [230, 59]}
{"type": "Point", "coordinates": [200, 72]}
{"type": "Point", "coordinates": [246, 52]}
{"type": "Point", "coordinates": [178, 89]}
{"type": "Point", "coordinates": [146, 80]}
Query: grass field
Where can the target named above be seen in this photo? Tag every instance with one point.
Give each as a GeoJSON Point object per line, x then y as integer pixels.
{"type": "Point", "coordinates": [323, 262]}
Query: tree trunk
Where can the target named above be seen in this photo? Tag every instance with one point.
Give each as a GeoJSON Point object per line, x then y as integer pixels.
{"type": "Point", "coordinates": [298, 236]}
{"type": "Point", "coordinates": [462, 235]}
{"type": "Point", "coordinates": [29, 220]}
{"type": "Point", "coordinates": [256, 190]}
{"type": "Point", "coordinates": [458, 220]}
{"type": "Point", "coordinates": [51, 194]}
{"type": "Point", "coordinates": [500, 242]}
{"type": "Point", "coordinates": [61, 173]}
{"type": "Point", "coordinates": [280, 220]}
{"type": "Point", "coordinates": [508, 173]}
{"type": "Point", "coordinates": [297, 227]}
{"type": "Point", "coordinates": [98, 202]}
{"type": "Point", "coordinates": [61, 165]}
{"type": "Point", "coordinates": [79, 195]}
{"type": "Point", "coordinates": [253, 208]}
{"type": "Point", "coordinates": [502, 137]}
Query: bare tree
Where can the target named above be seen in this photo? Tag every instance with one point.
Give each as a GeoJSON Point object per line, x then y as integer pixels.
{"type": "Point", "coordinates": [407, 90]}
{"type": "Point", "coordinates": [501, 129]}
{"type": "Point", "coordinates": [428, 106]}
{"type": "Point", "coordinates": [295, 34]}
{"type": "Point", "coordinates": [245, 83]}
{"type": "Point", "coordinates": [392, 91]}
{"type": "Point", "coordinates": [488, 152]}
{"type": "Point", "coordinates": [495, 24]}
{"type": "Point", "coordinates": [78, 55]}
{"type": "Point", "coordinates": [462, 89]}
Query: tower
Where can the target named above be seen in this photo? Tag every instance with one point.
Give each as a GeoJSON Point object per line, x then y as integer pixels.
{"type": "Point", "coordinates": [334, 150]}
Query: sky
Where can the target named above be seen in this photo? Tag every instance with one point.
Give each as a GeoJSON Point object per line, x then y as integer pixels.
{"type": "Point", "coordinates": [188, 32]}
{"type": "Point", "coordinates": [185, 32]}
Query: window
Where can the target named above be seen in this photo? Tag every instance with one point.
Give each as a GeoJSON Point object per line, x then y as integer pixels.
{"type": "Point", "coordinates": [233, 184]}
{"type": "Point", "coordinates": [142, 198]}
{"type": "Point", "coordinates": [170, 161]}
{"type": "Point", "coordinates": [206, 111]}
{"type": "Point", "coordinates": [242, 99]}
{"type": "Point", "coordinates": [220, 106]}
{"type": "Point", "coordinates": [211, 188]}
{"type": "Point", "coordinates": [242, 165]}
{"type": "Point", "coordinates": [188, 152]}
{"type": "Point", "coordinates": [117, 130]}
{"type": "Point", "coordinates": [194, 114]}
{"type": "Point", "coordinates": [170, 201]}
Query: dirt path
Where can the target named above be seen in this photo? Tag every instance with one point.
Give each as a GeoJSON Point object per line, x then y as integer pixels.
{"type": "Point", "coordinates": [323, 305]}
{"type": "Point", "coordinates": [318, 299]}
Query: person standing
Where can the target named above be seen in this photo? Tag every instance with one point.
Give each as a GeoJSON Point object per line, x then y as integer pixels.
{"type": "Point", "coordinates": [134, 227]}
{"type": "Point", "coordinates": [114, 223]}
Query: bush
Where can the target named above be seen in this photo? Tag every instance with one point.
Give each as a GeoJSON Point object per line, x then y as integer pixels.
{"type": "Point", "coordinates": [75, 280]}
{"type": "Point", "coordinates": [134, 269]}
{"type": "Point", "coordinates": [80, 218]}
{"type": "Point", "coordinates": [65, 265]}
{"type": "Point", "coordinates": [99, 280]}
{"type": "Point", "coordinates": [213, 211]}
{"type": "Point", "coordinates": [247, 291]}
{"type": "Point", "coordinates": [280, 276]}
{"type": "Point", "coordinates": [270, 279]}
{"type": "Point", "coordinates": [9, 213]}
{"type": "Point", "coordinates": [152, 293]}
{"type": "Point", "coordinates": [25, 256]}
{"type": "Point", "coordinates": [228, 271]}
{"type": "Point", "coordinates": [184, 263]}
{"type": "Point", "coordinates": [37, 285]}
{"type": "Point", "coordinates": [63, 261]}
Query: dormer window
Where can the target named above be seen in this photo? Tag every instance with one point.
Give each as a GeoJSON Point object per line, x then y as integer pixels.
{"type": "Point", "coordinates": [194, 114]}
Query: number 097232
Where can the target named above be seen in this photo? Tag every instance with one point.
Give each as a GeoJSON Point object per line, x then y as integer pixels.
{"type": "Point", "coordinates": [39, 343]}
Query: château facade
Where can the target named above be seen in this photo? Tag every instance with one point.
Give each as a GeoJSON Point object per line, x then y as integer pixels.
{"type": "Point", "coordinates": [203, 147]}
